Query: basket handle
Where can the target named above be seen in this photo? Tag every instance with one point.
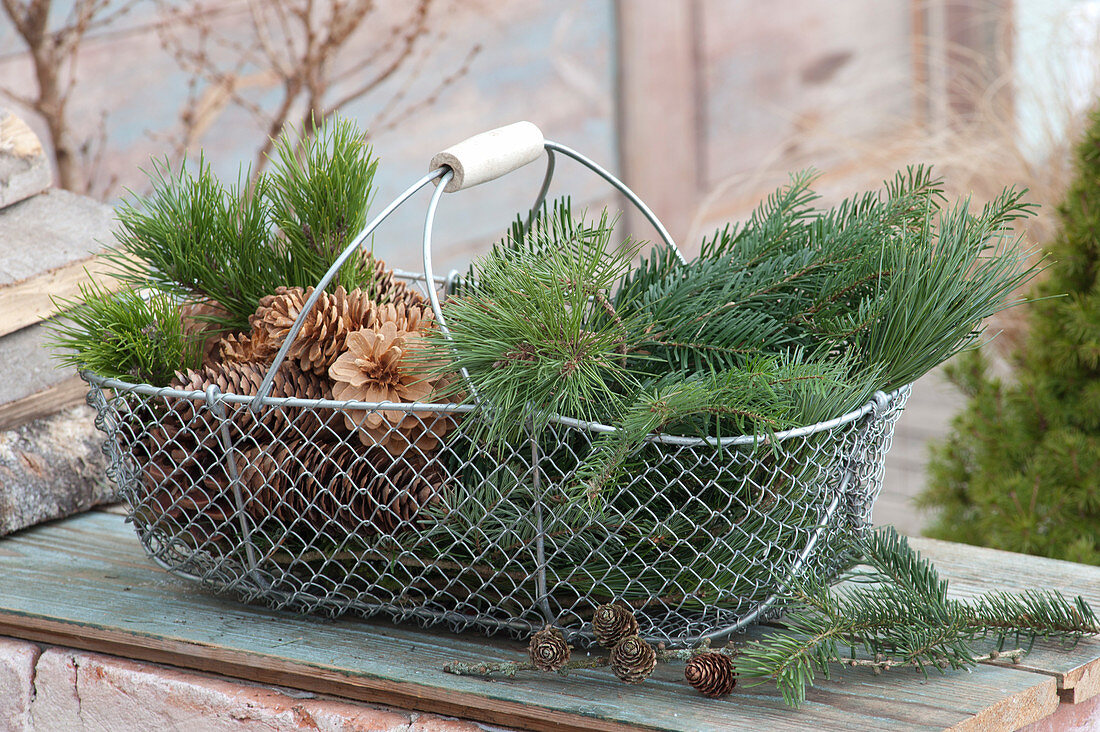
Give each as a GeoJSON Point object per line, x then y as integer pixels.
{"type": "Point", "coordinates": [476, 160]}
{"type": "Point", "coordinates": [506, 149]}
{"type": "Point", "coordinates": [489, 155]}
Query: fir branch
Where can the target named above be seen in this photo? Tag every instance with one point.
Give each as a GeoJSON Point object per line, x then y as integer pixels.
{"type": "Point", "coordinates": [903, 618]}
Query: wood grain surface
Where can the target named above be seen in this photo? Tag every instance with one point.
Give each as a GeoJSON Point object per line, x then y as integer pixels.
{"type": "Point", "coordinates": [85, 582]}
{"type": "Point", "coordinates": [43, 403]}
{"type": "Point", "coordinates": [973, 570]}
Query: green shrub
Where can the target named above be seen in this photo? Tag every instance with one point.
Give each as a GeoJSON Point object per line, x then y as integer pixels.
{"type": "Point", "coordinates": [1021, 467]}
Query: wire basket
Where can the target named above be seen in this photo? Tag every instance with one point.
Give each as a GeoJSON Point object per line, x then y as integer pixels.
{"type": "Point", "coordinates": [332, 507]}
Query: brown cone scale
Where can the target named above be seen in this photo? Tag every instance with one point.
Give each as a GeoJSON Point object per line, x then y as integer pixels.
{"type": "Point", "coordinates": [711, 674]}
{"type": "Point", "coordinates": [548, 649]}
{"type": "Point", "coordinates": [633, 660]}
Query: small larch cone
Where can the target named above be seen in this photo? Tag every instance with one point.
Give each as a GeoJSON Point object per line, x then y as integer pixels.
{"type": "Point", "coordinates": [633, 660]}
{"type": "Point", "coordinates": [380, 365]}
{"type": "Point", "coordinates": [548, 649]}
{"type": "Point", "coordinates": [321, 339]}
{"type": "Point", "coordinates": [711, 674]}
{"type": "Point", "coordinates": [613, 622]}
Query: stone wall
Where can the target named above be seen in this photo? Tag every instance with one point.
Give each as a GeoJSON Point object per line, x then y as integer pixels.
{"type": "Point", "coordinates": [48, 689]}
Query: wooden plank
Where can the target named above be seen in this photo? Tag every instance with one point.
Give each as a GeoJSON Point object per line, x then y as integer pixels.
{"type": "Point", "coordinates": [43, 403]}
{"type": "Point", "coordinates": [85, 583]}
{"type": "Point", "coordinates": [973, 570]}
{"type": "Point", "coordinates": [28, 301]}
{"type": "Point", "coordinates": [658, 111]}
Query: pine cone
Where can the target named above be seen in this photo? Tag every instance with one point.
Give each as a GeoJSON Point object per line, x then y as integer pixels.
{"type": "Point", "coordinates": [548, 649]}
{"type": "Point", "coordinates": [176, 462]}
{"type": "Point", "coordinates": [711, 674]}
{"type": "Point", "coordinates": [335, 490]}
{"type": "Point", "coordinates": [245, 378]}
{"type": "Point", "coordinates": [613, 622]}
{"type": "Point", "coordinates": [243, 348]}
{"type": "Point", "coordinates": [633, 660]}
{"type": "Point", "coordinates": [196, 317]}
{"type": "Point", "coordinates": [384, 288]}
{"type": "Point", "coordinates": [321, 338]}
{"type": "Point", "coordinates": [409, 318]}
{"type": "Point", "coordinates": [375, 369]}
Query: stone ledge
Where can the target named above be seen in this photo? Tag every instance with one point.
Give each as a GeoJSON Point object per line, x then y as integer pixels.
{"type": "Point", "coordinates": [63, 689]}
{"type": "Point", "coordinates": [18, 660]}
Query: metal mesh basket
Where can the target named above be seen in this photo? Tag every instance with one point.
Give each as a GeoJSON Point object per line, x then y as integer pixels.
{"type": "Point", "coordinates": [330, 507]}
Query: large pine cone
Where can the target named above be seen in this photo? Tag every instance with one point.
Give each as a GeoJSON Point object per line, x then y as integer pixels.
{"type": "Point", "coordinates": [384, 288]}
{"type": "Point", "coordinates": [198, 324]}
{"type": "Point", "coordinates": [613, 622]}
{"type": "Point", "coordinates": [548, 649]}
{"type": "Point", "coordinates": [177, 459]}
{"type": "Point", "coordinates": [711, 674]}
{"type": "Point", "coordinates": [633, 660]}
{"type": "Point", "coordinates": [245, 379]}
{"type": "Point", "coordinates": [335, 491]}
{"type": "Point", "coordinates": [321, 339]}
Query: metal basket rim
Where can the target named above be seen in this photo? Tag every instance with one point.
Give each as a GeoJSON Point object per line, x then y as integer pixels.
{"type": "Point", "coordinates": [878, 403]}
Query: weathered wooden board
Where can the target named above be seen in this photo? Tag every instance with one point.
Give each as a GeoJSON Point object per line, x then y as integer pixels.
{"type": "Point", "coordinates": [84, 582]}
{"type": "Point", "coordinates": [50, 400]}
{"type": "Point", "coordinates": [973, 570]}
{"type": "Point", "coordinates": [46, 244]}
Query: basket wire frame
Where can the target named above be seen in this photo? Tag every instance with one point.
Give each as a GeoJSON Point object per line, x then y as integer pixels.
{"type": "Point", "coordinates": [330, 507]}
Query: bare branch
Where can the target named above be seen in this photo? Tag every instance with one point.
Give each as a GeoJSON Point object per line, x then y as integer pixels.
{"type": "Point", "coordinates": [318, 54]}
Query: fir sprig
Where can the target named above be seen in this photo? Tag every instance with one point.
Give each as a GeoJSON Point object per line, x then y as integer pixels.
{"type": "Point", "coordinates": [765, 396]}
{"type": "Point", "coordinates": [903, 617]}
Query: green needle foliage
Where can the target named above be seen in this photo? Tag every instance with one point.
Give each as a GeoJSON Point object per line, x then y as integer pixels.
{"type": "Point", "coordinates": [534, 327]}
{"type": "Point", "coordinates": [319, 190]}
{"type": "Point", "coordinates": [945, 278]}
{"type": "Point", "coordinates": [199, 240]}
{"type": "Point", "coordinates": [1020, 469]}
{"type": "Point", "coordinates": [896, 612]}
{"type": "Point", "coordinates": [767, 395]}
{"type": "Point", "coordinates": [193, 238]}
{"type": "Point", "coordinates": [129, 335]}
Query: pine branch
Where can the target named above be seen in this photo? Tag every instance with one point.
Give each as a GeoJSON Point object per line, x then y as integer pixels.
{"type": "Point", "coordinates": [125, 335]}
{"type": "Point", "coordinates": [195, 238]}
{"type": "Point", "coordinates": [529, 327]}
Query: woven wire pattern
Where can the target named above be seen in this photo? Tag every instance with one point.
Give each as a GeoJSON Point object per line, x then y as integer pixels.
{"type": "Point", "coordinates": [327, 507]}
